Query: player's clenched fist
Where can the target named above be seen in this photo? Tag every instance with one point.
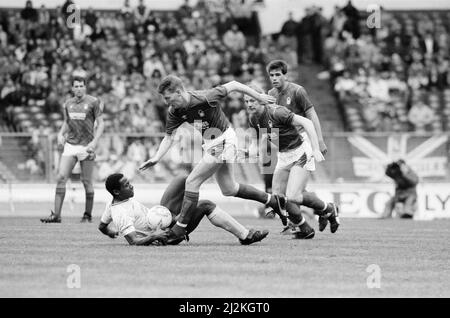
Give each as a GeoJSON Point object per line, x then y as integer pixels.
{"type": "Point", "coordinates": [149, 163]}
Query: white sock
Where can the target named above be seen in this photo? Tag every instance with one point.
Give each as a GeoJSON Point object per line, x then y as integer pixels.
{"type": "Point", "coordinates": [222, 219]}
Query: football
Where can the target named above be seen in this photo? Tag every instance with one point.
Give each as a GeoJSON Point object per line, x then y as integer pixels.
{"type": "Point", "coordinates": [158, 217]}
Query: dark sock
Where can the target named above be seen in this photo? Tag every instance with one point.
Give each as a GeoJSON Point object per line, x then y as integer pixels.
{"type": "Point", "coordinates": [324, 212]}
{"type": "Point", "coordinates": [295, 219]}
{"type": "Point", "coordinates": [312, 201]}
{"type": "Point", "coordinates": [195, 220]}
{"type": "Point", "coordinates": [295, 215]}
{"type": "Point", "coordinates": [251, 193]}
{"type": "Point", "coordinates": [59, 199]}
{"type": "Point", "coordinates": [89, 203]}
{"type": "Point", "coordinates": [188, 207]}
{"type": "Point", "coordinates": [268, 182]}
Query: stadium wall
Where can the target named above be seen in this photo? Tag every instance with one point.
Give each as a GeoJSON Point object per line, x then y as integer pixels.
{"type": "Point", "coordinates": [356, 200]}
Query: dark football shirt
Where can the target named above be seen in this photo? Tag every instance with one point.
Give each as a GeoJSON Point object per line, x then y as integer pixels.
{"type": "Point", "coordinates": [80, 117]}
{"type": "Point", "coordinates": [203, 112]}
{"type": "Point", "coordinates": [293, 97]}
{"type": "Point", "coordinates": [279, 117]}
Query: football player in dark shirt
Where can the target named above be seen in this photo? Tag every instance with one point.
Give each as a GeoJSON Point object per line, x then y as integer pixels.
{"type": "Point", "coordinates": [202, 110]}
{"type": "Point", "coordinates": [79, 138]}
{"type": "Point", "coordinates": [284, 127]}
{"type": "Point", "coordinates": [295, 98]}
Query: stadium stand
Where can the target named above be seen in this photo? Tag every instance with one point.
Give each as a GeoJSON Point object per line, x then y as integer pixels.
{"type": "Point", "coordinates": [390, 79]}
{"type": "Point", "coordinates": [393, 78]}
{"type": "Point", "coordinates": [124, 54]}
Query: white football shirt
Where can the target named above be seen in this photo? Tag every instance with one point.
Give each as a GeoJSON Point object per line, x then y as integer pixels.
{"type": "Point", "coordinates": [128, 216]}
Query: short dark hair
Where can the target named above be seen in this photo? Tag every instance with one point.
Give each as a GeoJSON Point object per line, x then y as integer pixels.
{"type": "Point", "coordinates": [170, 83]}
{"type": "Point", "coordinates": [78, 79]}
{"type": "Point", "coordinates": [113, 182]}
{"type": "Point", "coordinates": [277, 64]}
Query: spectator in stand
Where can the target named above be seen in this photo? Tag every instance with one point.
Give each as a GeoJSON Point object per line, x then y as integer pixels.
{"type": "Point", "coordinates": [113, 164]}
{"type": "Point", "coordinates": [185, 10]}
{"type": "Point", "coordinates": [338, 20]}
{"type": "Point", "coordinates": [234, 39]}
{"type": "Point", "coordinates": [420, 114]}
{"type": "Point", "coordinates": [317, 32]}
{"type": "Point", "coordinates": [288, 34]}
{"type": "Point", "coordinates": [152, 64]}
{"type": "Point", "coordinates": [345, 85]}
{"type": "Point", "coordinates": [305, 37]}
{"type": "Point", "coordinates": [29, 13]}
{"type": "Point", "coordinates": [352, 23]}
{"type": "Point", "coordinates": [3, 38]}
{"type": "Point", "coordinates": [378, 86]}
{"type": "Point", "coordinates": [141, 12]}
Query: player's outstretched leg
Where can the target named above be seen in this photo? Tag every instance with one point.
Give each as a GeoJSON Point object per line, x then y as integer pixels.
{"type": "Point", "coordinates": [222, 219]}
{"type": "Point", "coordinates": [229, 187]}
{"type": "Point", "coordinates": [202, 171]}
{"type": "Point", "coordinates": [302, 230]}
{"type": "Point", "coordinates": [65, 167]}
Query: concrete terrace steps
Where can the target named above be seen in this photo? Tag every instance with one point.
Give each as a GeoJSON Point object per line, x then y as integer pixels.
{"type": "Point", "coordinates": [322, 96]}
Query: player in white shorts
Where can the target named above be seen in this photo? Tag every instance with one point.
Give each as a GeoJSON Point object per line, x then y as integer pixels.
{"type": "Point", "coordinates": [202, 109]}
{"type": "Point", "coordinates": [79, 137]}
{"type": "Point", "coordinates": [296, 99]}
{"type": "Point", "coordinates": [293, 155]}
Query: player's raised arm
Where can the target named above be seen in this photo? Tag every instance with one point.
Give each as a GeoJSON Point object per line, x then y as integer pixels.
{"type": "Point", "coordinates": [239, 87]}
{"type": "Point", "coordinates": [310, 130]}
{"type": "Point", "coordinates": [164, 146]}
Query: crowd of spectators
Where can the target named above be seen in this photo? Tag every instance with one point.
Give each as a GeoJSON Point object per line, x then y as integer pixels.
{"type": "Point", "coordinates": [391, 75]}
{"type": "Point", "coordinates": [124, 54]}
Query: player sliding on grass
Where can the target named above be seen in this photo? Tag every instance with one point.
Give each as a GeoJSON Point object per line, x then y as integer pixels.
{"type": "Point", "coordinates": [283, 127]}
{"type": "Point", "coordinates": [130, 216]}
{"type": "Point", "coordinates": [202, 109]}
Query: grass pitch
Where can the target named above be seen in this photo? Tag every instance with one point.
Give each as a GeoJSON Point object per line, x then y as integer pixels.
{"type": "Point", "coordinates": [413, 258]}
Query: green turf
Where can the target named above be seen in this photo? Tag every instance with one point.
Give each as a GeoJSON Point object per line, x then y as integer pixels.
{"type": "Point", "coordinates": [413, 257]}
